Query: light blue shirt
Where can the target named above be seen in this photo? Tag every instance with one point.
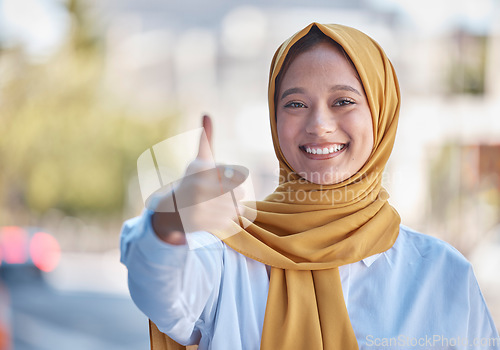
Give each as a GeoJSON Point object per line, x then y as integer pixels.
{"type": "Point", "coordinates": [420, 294]}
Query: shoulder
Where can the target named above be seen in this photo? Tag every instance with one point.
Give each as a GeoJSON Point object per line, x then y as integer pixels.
{"type": "Point", "coordinates": [426, 246]}
{"type": "Point", "coordinates": [423, 266]}
{"type": "Point", "coordinates": [426, 253]}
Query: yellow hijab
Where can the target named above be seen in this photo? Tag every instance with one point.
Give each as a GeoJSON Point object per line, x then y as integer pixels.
{"type": "Point", "coordinates": [305, 231]}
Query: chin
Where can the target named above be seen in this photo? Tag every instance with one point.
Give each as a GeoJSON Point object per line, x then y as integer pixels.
{"type": "Point", "coordinates": [325, 177]}
{"type": "Point", "coordinates": [321, 178]}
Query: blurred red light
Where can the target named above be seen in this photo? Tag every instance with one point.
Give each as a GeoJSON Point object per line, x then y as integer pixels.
{"type": "Point", "coordinates": [5, 338]}
{"type": "Point", "coordinates": [45, 251]}
{"type": "Point", "coordinates": [13, 242]}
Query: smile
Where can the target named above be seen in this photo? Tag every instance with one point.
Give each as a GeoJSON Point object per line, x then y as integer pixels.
{"type": "Point", "coordinates": [334, 148]}
{"type": "Point", "coordinates": [323, 151]}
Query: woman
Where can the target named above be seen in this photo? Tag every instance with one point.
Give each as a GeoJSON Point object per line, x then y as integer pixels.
{"type": "Point", "coordinates": [326, 264]}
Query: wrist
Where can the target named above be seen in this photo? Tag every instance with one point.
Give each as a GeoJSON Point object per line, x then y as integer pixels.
{"type": "Point", "coordinates": [168, 227]}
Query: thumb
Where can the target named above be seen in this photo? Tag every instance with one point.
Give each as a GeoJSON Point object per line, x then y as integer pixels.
{"type": "Point", "coordinates": [205, 147]}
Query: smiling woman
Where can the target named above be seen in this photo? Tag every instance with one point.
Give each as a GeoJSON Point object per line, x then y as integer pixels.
{"type": "Point", "coordinates": [326, 263]}
{"type": "Point", "coordinates": [324, 122]}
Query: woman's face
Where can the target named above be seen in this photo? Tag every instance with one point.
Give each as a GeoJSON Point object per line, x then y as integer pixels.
{"type": "Point", "coordinates": [324, 122]}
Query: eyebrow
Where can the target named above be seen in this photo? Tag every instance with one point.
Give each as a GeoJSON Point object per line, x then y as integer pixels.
{"type": "Point", "coordinates": [345, 88]}
{"type": "Point", "coordinates": [292, 91]}
{"type": "Point", "coordinates": [333, 88]}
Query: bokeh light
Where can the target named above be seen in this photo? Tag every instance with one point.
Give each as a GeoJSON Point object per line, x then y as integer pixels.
{"type": "Point", "coordinates": [13, 243]}
{"type": "Point", "coordinates": [45, 251]}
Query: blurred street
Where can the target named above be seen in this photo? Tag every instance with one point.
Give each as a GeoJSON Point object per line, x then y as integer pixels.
{"type": "Point", "coordinates": [49, 315]}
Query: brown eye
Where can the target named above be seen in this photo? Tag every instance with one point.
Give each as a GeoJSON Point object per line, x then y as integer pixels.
{"type": "Point", "coordinates": [295, 105]}
{"type": "Point", "coordinates": [344, 102]}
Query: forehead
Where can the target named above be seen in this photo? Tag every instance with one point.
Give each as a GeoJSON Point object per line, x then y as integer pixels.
{"type": "Point", "coordinates": [323, 61]}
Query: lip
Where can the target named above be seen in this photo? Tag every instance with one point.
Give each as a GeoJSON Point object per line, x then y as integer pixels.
{"type": "Point", "coordinates": [322, 145]}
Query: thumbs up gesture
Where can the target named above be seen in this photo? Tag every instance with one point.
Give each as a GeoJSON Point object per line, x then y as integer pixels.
{"type": "Point", "coordinates": [206, 197]}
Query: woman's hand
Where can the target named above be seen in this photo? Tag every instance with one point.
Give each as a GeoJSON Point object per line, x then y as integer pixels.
{"type": "Point", "coordinates": [199, 197]}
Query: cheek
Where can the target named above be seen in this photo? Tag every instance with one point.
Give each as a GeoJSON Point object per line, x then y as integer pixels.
{"type": "Point", "coordinates": [360, 129]}
{"type": "Point", "coordinates": [285, 135]}
{"type": "Point", "coordinates": [369, 132]}
{"type": "Point", "coordinates": [365, 130]}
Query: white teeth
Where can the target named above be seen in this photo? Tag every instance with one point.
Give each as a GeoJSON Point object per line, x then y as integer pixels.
{"type": "Point", "coordinates": [325, 150]}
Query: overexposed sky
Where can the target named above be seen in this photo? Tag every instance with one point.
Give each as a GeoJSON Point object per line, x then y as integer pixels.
{"type": "Point", "coordinates": [38, 25]}
{"type": "Point", "coordinates": [41, 25]}
{"type": "Point", "coordinates": [430, 16]}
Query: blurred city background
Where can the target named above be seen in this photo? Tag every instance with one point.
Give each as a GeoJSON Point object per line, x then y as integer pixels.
{"type": "Point", "coordinates": [86, 86]}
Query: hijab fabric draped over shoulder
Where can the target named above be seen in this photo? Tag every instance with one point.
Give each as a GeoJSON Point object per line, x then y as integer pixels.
{"type": "Point", "coordinates": [305, 231]}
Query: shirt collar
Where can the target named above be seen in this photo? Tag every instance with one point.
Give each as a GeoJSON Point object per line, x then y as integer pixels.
{"type": "Point", "coordinates": [371, 259]}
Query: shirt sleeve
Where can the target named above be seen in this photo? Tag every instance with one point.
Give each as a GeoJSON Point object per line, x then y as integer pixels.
{"type": "Point", "coordinates": [482, 333]}
{"type": "Point", "coordinates": [176, 286]}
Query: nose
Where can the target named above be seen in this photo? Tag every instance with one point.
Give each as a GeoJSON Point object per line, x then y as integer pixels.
{"type": "Point", "coordinates": [321, 121]}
